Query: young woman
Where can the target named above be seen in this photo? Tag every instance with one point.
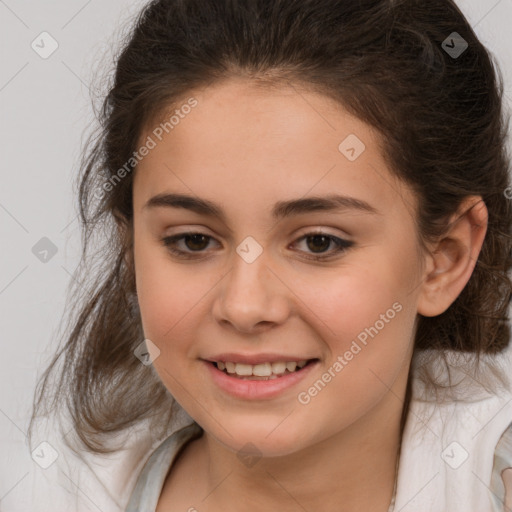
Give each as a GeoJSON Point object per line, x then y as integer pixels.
{"type": "Point", "coordinates": [307, 251]}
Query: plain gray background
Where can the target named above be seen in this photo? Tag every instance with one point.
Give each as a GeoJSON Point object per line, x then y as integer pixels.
{"type": "Point", "coordinates": [45, 114]}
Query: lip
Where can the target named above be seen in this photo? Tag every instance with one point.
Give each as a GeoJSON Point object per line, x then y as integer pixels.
{"type": "Point", "coordinates": [256, 358]}
{"type": "Point", "coordinates": [258, 389]}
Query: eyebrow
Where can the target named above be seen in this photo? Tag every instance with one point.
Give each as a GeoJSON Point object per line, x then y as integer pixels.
{"type": "Point", "coordinates": [280, 210]}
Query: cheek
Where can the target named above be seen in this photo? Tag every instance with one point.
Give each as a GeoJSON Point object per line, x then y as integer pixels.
{"type": "Point", "coordinates": [171, 298]}
{"type": "Point", "coordinates": [366, 327]}
{"type": "Point", "coordinates": [343, 303]}
{"type": "Point", "coordinates": [365, 317]}
{"type": "Point", "coordinates": [159, 291]}
{"type": "Point", "coordinates": [168, 298]}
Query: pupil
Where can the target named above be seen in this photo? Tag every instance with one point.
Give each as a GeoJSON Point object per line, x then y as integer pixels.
{"type": "Point", "coordinates": [194, 239]}
{"type": "Point", "coordinates": [323, 238]}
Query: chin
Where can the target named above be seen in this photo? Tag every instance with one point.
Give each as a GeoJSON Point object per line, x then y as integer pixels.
{"type": "Point", "coordinates": [258, 438]}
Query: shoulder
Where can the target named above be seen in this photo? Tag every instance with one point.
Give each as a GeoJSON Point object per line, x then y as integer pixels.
{"type": "Point", "coordinates": [72, 478]}
{"type": "Point", "coordinates": [151, 479]}
{"type": "Point", "coordinates": [501, 480]}
{"type": "Point", "coordinates": [453, 443]}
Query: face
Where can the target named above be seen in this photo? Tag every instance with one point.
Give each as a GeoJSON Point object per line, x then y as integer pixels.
{"type": "Point", "coordinates": [271, 275]}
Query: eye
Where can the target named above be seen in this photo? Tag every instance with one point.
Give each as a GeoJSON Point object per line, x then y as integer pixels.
{"type": "Point", "coordinates": [195, 242]}
{"type": "Point", "coordinates": [319, 243]}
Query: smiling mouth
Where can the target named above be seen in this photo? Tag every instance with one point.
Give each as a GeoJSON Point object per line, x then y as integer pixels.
{"type": "Point", "coordinates": [263, 371]}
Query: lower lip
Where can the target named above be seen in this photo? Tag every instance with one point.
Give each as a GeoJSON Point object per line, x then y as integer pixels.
{"type": "Point", "coordinates": [257, 389]}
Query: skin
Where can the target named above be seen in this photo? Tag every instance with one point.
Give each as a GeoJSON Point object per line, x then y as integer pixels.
{"type": "Point", "coordinates": [246, 148]}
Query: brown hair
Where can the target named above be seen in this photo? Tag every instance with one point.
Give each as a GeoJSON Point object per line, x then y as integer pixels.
{"type": "Point", "coordinates": [443, 130]}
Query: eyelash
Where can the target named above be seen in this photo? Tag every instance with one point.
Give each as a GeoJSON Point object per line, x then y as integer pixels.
{"type": "Point", "coordinates": [170, 243]}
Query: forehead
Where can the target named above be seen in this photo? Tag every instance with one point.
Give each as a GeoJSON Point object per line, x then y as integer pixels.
{"type": "Point", "coordinates": [241, 141]}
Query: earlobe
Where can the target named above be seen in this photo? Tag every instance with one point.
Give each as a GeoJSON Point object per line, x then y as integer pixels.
{"type": "Point", "coordinates": [453, 258]}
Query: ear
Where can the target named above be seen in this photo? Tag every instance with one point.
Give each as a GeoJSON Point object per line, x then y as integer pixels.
{"type": "Point", "coordinates": [452, 259]}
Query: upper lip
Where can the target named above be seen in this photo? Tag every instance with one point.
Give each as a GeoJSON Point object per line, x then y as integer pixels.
{"type": "Point", "coordinates": [256, 358]}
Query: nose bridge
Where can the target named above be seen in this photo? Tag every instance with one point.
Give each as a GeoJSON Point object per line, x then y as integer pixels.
{"type": "Point", "coordinates": [251, 295]}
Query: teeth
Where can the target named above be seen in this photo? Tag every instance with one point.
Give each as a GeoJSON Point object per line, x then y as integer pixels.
{"type": "Point", "coordinates": [278, 368]}
{"type": "Point", "coordinates": [262, 369]}
{"type": "Point", "coordinates": [291, 366]}
{"type": "Point", "coordinates": [243, 369]}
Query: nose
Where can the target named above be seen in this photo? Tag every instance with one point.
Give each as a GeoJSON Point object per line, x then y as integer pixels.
{"type": "Point", "coordinates": [252, 297]}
